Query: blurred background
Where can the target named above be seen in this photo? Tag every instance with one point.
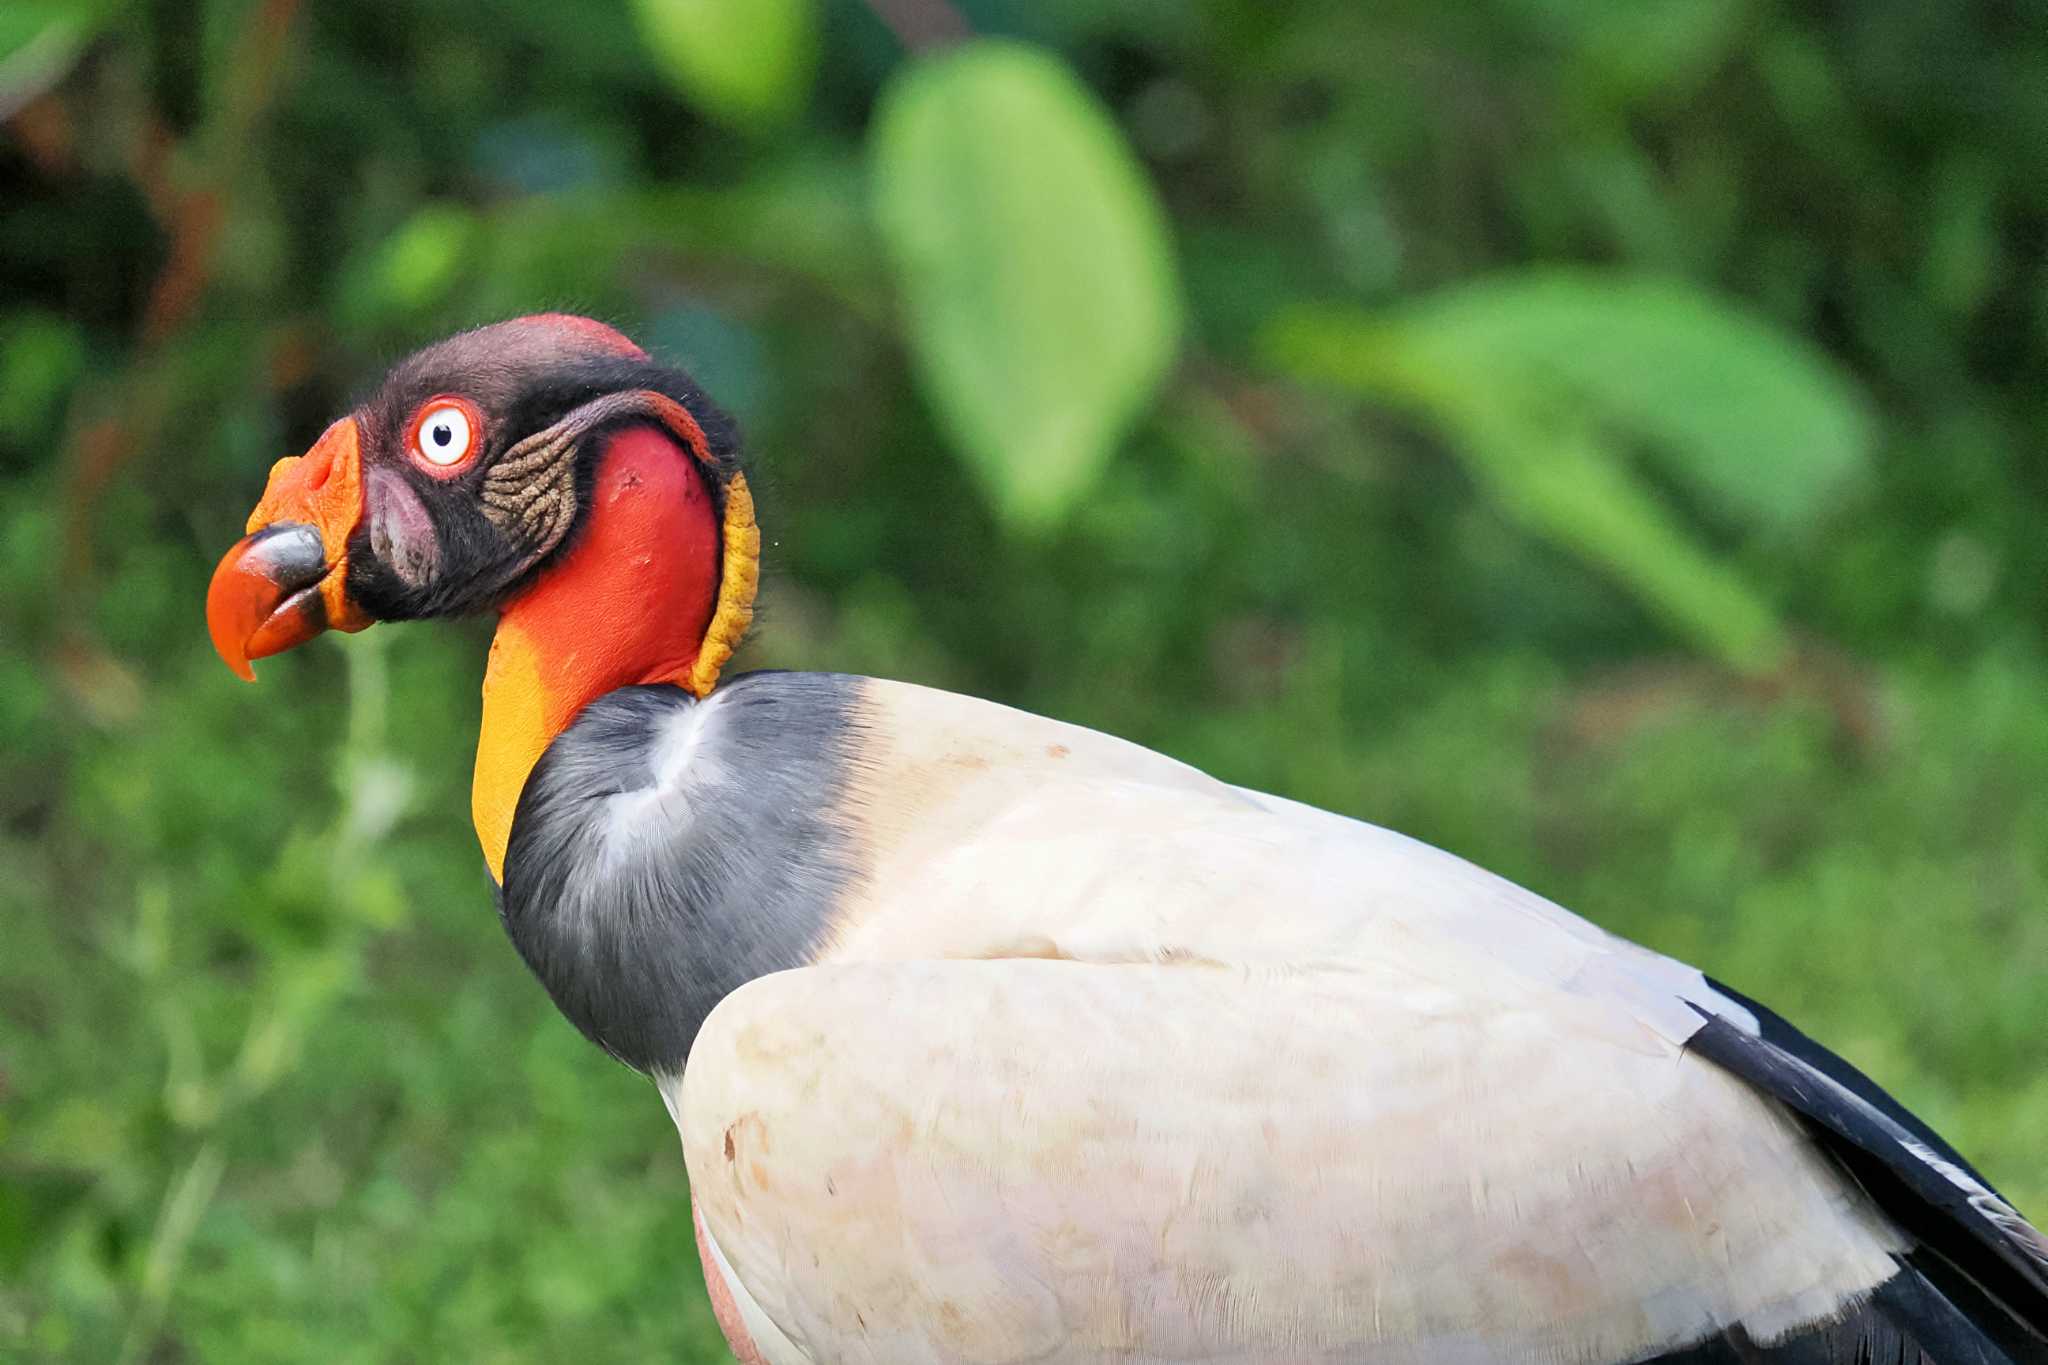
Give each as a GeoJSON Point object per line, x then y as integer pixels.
{"type": "Point", "coordinates": [1602, 437]}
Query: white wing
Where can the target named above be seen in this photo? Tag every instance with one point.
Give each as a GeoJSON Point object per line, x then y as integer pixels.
{"type": "Point", "coordinates": [1001, 834]}
{"type": "Point", "coordinates": [1011, 1161]}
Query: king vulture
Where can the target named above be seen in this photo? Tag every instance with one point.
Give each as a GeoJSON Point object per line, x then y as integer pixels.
{"type": "Point", "coordinates": [993, 1039]}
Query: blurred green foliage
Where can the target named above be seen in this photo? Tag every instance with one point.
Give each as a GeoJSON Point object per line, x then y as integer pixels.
{"type": "Point", "coordinates": [744, 62]}
{"type": "Point", "coordinates": [1602, 437]}
{"type": "Point", "coordinates": [1038, 284]}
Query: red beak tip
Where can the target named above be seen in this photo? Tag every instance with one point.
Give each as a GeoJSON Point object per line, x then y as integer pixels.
{"type": "Point", "coordinates": [234, 653]}
{"type": "Point", "coordinates": [262, 599]}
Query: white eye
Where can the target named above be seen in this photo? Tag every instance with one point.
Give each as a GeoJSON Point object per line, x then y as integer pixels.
{"type": "Point", "coordinates": [444, 435]}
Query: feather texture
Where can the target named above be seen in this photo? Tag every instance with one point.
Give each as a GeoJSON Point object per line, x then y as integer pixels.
{"type": "Point", "coordinates": [1081, 1055]}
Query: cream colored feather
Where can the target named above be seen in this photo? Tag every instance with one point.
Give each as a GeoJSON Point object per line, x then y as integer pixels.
{"type": "Point", "coordinates": [1111, 1061]}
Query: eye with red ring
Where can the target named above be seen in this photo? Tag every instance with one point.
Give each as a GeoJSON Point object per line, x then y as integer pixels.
{"type": "Point", "coordinates": [446, 434]}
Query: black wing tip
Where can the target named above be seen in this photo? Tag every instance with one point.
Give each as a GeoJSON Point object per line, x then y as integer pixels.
{"type": "Point", "coordinates": [1781, 1034]}
{"type": "Point", "coordinates": [1979, 1255]}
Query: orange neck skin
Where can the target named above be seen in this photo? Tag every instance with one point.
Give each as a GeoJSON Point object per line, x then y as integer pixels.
{"type": "Point", "coordinates": [629, 603]}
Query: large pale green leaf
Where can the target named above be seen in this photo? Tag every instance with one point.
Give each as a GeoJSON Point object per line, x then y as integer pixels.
{"type": "Point", "coordinates": [1545, 462]}
{"type": "Point", "coordinates": [1746, 416]}
{"type": "Point", "coordinates": [747, 63]}
{"type": "Point", "coordinates": [1038, 281]}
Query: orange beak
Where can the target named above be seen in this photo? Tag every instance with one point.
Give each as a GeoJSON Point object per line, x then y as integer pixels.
{"type": "Point", "coordinates": [288, 578]}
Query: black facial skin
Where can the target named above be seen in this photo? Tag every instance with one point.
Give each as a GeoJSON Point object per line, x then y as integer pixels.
{"type": "Point", "coordinates": [524, 376]}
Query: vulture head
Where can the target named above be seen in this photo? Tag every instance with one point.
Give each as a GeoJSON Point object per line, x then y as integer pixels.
{"type": "Point", "coordinates": [546, 469]}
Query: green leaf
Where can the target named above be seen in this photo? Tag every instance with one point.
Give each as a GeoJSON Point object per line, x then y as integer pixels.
{"type": "Point", "coordinates": [1566, 482]}
{"type": "Point", "coordinates": [39, 39]}
{"type": "Point", "coordinates": [1546, 382]}
{"type": "Point", "coordinates": [25, 22]}
{"type": "Point", "coordinates": [1039, 286]}
{"type": "Point", "coordinates": [747, 63]}
{"type": "Point", "coordinates": [1543, 462]}
{"type": "Point", "coordinates": [1749, 418]}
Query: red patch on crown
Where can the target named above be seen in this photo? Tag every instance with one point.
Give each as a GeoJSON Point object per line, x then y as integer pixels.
{"type": "Point", "coordinates": [587, 331]}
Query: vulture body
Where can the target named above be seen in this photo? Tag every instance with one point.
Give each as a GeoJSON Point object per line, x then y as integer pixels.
{"type": "Point", "coordinates": [994, 1039]}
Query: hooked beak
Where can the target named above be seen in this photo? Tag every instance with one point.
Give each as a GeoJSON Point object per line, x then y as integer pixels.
{"type": "Point", "coordinates": [287, 580]}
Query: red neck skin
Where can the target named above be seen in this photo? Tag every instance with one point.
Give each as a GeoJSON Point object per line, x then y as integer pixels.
{"type": "Point", "coordinates": [629, 603]}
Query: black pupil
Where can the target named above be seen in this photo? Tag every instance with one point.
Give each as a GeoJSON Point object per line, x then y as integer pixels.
{"type": "Point", "coordinates": [442, 435]}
